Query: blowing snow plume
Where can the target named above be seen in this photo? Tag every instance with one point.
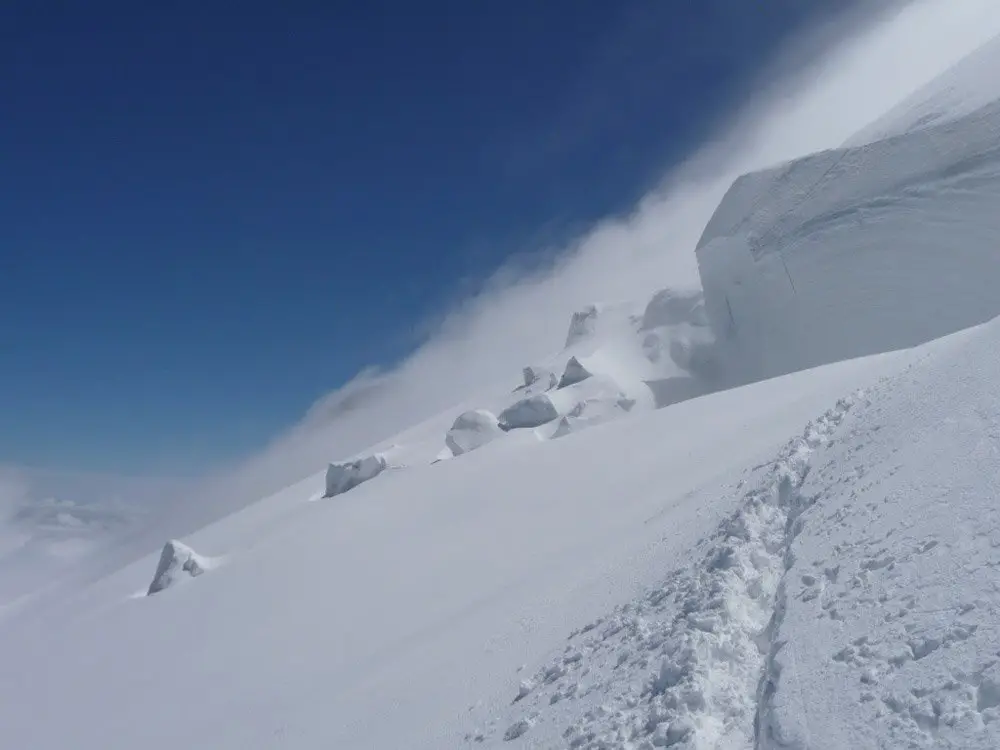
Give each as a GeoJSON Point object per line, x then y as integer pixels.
{"type": "Point", "coordinates": [520, 317]}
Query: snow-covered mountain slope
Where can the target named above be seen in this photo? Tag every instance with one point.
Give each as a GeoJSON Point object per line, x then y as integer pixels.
{"type": "Point", "coordinates": [804, 561]}
{"type": "Point", "coordinates": [862, 249]}
{"type": "Point", "coordinates": [849, 599]}
{"type": "Point", "coordinates": [968, 86]}
{"type": "Point", "coordinates": [379, 617]}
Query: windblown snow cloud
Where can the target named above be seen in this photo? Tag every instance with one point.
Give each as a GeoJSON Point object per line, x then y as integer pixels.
{"type": "Point", "coordinates": [808, 101]}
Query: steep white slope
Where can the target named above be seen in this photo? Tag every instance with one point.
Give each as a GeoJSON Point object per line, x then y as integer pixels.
{"type": "Point", "coordinates": [858, 250]}
{"type": "Point", "coordinates": [378, 617]}
{"type": "Point", "coordinates": [969, 85]}
{"type": "Point", "coordinates": [850, 600]}
{"type": "Point", "coordinates": [888, 626]}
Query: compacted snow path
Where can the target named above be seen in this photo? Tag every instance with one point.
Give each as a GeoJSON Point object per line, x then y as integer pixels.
{"type": "Point", "coordinates": [890, 634]}
{"type": "Point", "coordinates": [682, 665]}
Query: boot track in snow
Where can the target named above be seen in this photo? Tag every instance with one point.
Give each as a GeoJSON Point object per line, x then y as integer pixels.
{"type": "Point", "coordinates": [691, 664]}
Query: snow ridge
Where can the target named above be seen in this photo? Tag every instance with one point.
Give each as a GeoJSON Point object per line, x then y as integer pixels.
{"type": "Point", "coordinates": [691, 663]}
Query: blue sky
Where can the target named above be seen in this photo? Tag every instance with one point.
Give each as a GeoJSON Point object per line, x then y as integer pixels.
{"type": "Point", "coordinates": [212, 214]}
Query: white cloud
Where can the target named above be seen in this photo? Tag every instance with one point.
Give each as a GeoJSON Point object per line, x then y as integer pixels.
{"type": "Point", "coordinates": [522, 316]}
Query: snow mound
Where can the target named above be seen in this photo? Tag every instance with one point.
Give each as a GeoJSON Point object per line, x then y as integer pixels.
{"type": "Point", "coordinates": [528, 412]}
{"type": "Point", "coordinates": [856, 251]}
{"type": "Point", "coordinates": [346, 475]}
{"type": "Point", "coordinates": [472, 430]}
{"type": "Point", "coordinates": [574, 372]}
{"type": "Point", "coordinates": [177, 562]}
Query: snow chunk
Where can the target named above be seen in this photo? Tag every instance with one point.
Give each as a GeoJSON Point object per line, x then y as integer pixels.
{"type": "Point", "coordinates": [528, 412]}
{"type": "Point", "coordinates": [177, 561]}
{"type": "Point", "coordinates": [669, 307]}
{"type": "Point", "coordinates": [472, 430]}
{"type": "Point", "coordinates": [539, 376]}
{"type": "Point", "coordinates": [592, 412]}
{"type": "Point", "coordinates": [583, 324]}
{"type": "Point", "coordinates": [575, 372]}
{"type": "Point", "coordinates": [346, 475]}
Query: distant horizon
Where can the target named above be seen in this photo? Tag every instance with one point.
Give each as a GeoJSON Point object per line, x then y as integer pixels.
{"type": "Point", "coordinates": [310, 194]}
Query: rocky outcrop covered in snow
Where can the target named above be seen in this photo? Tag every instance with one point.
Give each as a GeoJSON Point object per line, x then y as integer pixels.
{"type": "Point", "coordinates": [177, 562]}
{"type": "Point", "coordinates": [472, 430]}
{"type": "Point", "coordinates": [346, 475]}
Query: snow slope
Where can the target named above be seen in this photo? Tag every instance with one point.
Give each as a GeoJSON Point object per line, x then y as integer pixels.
{"type": "Point", "coordinates": [379, 617]}
{"type": "Point", "coordinates": [849, 600]}
{"type": "Point", "coordinates": [968, 86]}
{"type": "Point", "coordinates": [863, 249]}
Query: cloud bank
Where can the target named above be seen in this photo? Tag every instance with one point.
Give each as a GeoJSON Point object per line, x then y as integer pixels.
{"type": "Point", "coordinates": [821, 89]}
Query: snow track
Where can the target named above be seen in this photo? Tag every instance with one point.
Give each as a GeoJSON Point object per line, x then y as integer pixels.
{"type": "Point", "coordinates": [691, 663]}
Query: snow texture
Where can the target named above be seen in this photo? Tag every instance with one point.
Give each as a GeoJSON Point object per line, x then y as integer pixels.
{"type": "Point", "coordinates": [346, 475]}
{"type": "Point", "coordinates": [177, 562]}
{"type": "Point", "coordinates": [473, 429]}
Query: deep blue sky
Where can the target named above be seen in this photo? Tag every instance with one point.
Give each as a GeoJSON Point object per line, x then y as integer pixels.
{"type": "Point", "coordinates": [212, 213]}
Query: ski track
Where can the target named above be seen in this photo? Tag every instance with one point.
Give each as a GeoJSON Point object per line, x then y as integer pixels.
{"type": "Point", "coordinates": [691, 663]}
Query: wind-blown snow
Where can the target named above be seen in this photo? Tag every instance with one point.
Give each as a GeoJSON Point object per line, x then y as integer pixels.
{"type": "Point", "coordinates": [966, 87]}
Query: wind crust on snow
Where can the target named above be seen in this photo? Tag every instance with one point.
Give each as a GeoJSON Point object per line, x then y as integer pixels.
{"type": "Point", "coordinates": [177, 562]}
{"type": "Point", "coordinates": [346, 475]}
